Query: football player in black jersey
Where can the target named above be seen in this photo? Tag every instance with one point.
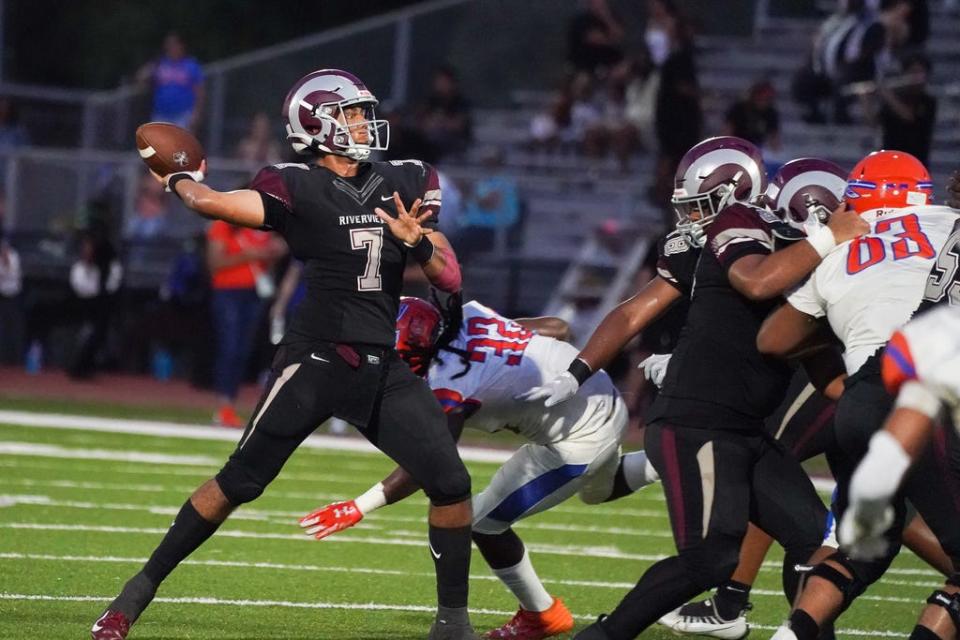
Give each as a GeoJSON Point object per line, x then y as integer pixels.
{"type": "Point", "coordinates": [354, 224]}
{"type": "Point", "coordinates": [719, 468]}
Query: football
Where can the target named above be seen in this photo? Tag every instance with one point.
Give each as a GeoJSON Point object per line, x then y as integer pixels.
{"type": "Point", "coordinates": [167, 148]}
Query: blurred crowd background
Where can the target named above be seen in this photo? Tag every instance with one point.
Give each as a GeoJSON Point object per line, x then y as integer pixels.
{"type": "Point", "coordinates": [556, 126]}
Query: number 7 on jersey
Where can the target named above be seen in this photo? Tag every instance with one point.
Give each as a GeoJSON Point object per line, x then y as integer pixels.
{"type": "Point", "coordinates": [371, 240]}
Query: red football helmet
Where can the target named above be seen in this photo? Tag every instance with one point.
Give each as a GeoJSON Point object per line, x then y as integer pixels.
{"type": "Point", "coordinates": [419, 324]}
{"type": "Point", "coordinates": [888, 180]}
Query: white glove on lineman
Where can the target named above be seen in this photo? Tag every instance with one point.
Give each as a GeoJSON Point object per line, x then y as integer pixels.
{"type": "Point", "coordinates": [655, 368]}
{"type": "Point", "coordinates": [861, 530]}
{"type": "Point", "coordinates": [558, 390]}
{"type": "Point", "coordinates": [871, 489]}
{"type": "Point", "coordinates": [196, 176]}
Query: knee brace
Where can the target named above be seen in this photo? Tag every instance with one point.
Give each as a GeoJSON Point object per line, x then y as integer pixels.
{"type": "Point", "coordinates": [238, 485]}
{"type": "Point", "coordinates": [850, 588]}
{"type": "Point", "coordinates": [950, 602]}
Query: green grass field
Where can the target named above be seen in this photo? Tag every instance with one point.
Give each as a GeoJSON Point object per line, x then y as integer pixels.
{"type": "Point", "coordinates": [81, 510]}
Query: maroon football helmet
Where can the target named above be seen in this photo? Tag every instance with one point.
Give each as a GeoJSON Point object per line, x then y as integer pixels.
{"type": "Point", "coordinates": [805, 191]}
{"type": "Point", "coordinates": [712, 175]}
{"type": "Point", "coordinates": [314, 115]}
{"type": "Point", "coordinates": [419, 325]}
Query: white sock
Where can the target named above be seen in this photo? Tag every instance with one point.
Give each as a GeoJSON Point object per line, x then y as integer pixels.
{"type": "Point", "coordinates": [637, 470]}
{"type": "Point", "coordinates": [524, 583]}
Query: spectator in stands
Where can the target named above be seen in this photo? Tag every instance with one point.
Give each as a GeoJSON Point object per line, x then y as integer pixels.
{"type": "Point", "coordinates": [406, 141]}
{"type": "Point", "coordinates": [662, 19]}
{"type": "Point", "coordinates": [177, 82]}
{"type": "Point", "coordinates": [870, 50]}
{"type": "Point", "coordinates": [95, 279]}
{"type": "Point", "coordinates": [755, 118]}
{"type": "Point", "coordinates": [679, 117]}
{"type": "Point", "coordinates": [551, 130]}
{"type": "Point", "coordinates": [815, 81]}
{"type": "Point", "coordinates": [150, 212]}
{"type": "Point", "coordinates": [259, 146]}
{"type": "Point", "coordinates": [180, 328]}
{"type": "Point", "coordinates": [586, 116]}
{"type": "Point", "coordinates": [11, 311]}
{"type": "Point", "coordinates": [919, 24]}
{"type": "Point", "coordinates": [239, 262]}
{"type": "Point", "coordinates": [908, 113]}
{"type": "Point", "coordinates": [452, 216]}
{"type": "Point", "coordinates": [642, 83]}
{"type": "Point", "coordinates": [616, 131]}
{"type": "Point", "coordinates": [594, 39]}
{"type": "Point", "coordinates": [492, 208]}
{"type": "Point", "coordinates": [445, 118]}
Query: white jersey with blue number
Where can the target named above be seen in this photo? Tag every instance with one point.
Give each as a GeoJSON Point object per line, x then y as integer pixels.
{"type": "Point", "coordinates": [506, 360]}
{"type": "Point", "coordinates": [869, 287]}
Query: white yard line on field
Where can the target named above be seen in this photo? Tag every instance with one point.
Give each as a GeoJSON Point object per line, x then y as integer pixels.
{"type": "Point", "coordinates": [239, 564]}
{"type": "Point", "coordinates": [289, 517]}
{"type": "Point", "coordinates": [113, 455]}
{"type": "Point", "coordinates": [369, 606]}
{"type": "Point", "coordinates": [206, 432]}
{"type": "Point", "coordinates": [561, 550]}
{"type": "Point", "coordinates": [593, 552]}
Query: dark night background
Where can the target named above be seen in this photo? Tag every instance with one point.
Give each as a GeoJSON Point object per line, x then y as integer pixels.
{"type": "Point", "coordinates": [93, 44]}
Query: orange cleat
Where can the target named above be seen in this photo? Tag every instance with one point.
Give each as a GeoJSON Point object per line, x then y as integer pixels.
{"type": "Point", "coordinates": [226, 416]}
{"type": "Point", "coordinates": [534, 625]}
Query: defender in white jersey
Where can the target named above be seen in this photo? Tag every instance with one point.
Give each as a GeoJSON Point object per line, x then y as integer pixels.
{"type": "Point", "coordinates": [476, 367]}
{"type": "Point", "coordinates": [866, 289]}
{"type": "Point", "coordinates": [869, 287]}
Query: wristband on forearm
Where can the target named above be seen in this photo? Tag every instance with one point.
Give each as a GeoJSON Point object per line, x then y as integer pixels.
{"type": "Point", "coordinates": [422, 251]}
{"type": "Point", "coordinates": [823, 241]}
{"type": "Point", "coordinates": [580, 370]}
{"type": "Point", "coordinates": [174, 179]}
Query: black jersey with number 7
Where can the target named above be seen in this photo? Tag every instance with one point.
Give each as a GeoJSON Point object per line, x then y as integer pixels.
{"type": "Point", "coordinates": [353, 265]}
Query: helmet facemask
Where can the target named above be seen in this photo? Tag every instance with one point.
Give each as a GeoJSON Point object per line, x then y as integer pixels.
{"type": "Point", "coordinates": [335, 135]}
{"type": "Point", "coordinates": [695, 212]}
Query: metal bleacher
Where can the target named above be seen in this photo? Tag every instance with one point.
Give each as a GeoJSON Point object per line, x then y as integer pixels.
{"type": "Point", "coordinates": [566, 197]}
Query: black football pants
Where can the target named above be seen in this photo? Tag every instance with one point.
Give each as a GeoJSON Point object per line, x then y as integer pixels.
{"type": "Point", "coordinates": [370, 387]}
{"type": "Point", "coordinates": [932, 486]}
{"type": "Point", "coordinates": [716, 482]}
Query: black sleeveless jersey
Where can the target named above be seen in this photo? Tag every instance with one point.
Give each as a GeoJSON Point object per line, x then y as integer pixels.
{"type": "Point", "coordinates": [717, 378]}
{"type": "Point", "coordinates": [353, 265]}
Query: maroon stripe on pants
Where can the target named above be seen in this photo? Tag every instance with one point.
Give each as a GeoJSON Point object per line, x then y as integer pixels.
{"type": "Point", "coordinates": [815, 426]}
{"type": "Point", "coordinates": [674, 485]}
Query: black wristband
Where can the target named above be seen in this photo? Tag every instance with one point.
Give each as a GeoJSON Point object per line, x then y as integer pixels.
{"type": "Point", "coordinates": [175, 178]}
{"type": "Point", "coordinates": [422, 252]}
{"type": "Point", "coordinates": [580, 370]}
